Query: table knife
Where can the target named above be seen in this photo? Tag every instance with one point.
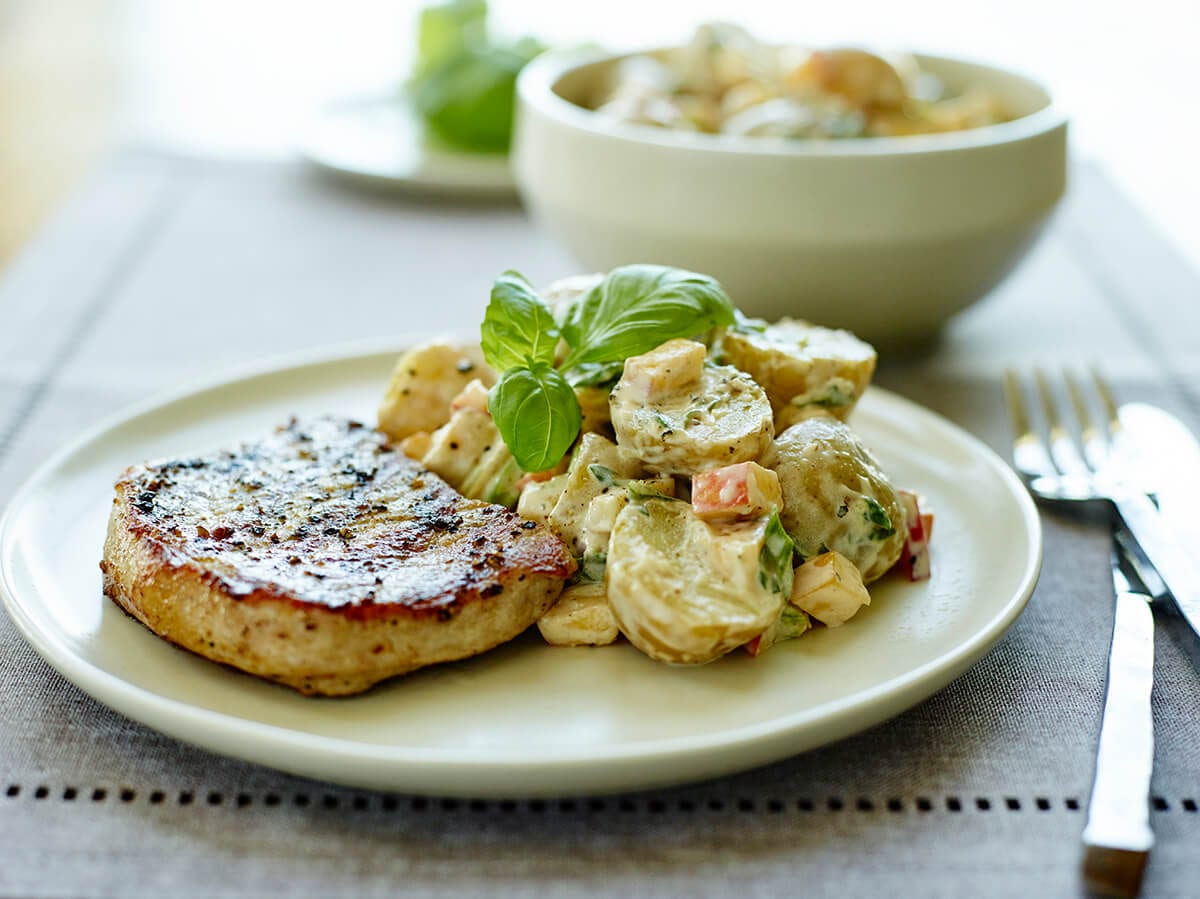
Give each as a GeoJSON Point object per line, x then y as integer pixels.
{"type": "Point", "coordinates": [1162, 446]}
{"type": "Point", "coordinates": [1118, 838]}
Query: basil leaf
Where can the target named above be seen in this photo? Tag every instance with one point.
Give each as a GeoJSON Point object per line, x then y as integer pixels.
{"type": "Point", "coordinates": [591, 568]}
{"type": "Point", "coordinates": [605, 476]}
{"type": "Point", "coordinates": [518, 330]}
{"type": "Point", "coordinates": [775, 559]}
{"type": "Point", "coordinates": [537, 414]}
{"type": "Point", "coordinates": [638, 493]}
{"type": "Point", "coordinates": [637, 307]}
{"type": "Point", "coordinates": [878, 518]}
{"type": "Point", "coordinates": [467, 100]}
{"type": "Point", "coordinates": [596, 374]}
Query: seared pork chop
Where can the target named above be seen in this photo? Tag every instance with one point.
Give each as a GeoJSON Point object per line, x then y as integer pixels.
{"type": "Point", "coordinates": [323, 559]}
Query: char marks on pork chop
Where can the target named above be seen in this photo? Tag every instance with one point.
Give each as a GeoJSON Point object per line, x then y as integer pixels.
{"type": "Point", "coordinates": [321, 558]}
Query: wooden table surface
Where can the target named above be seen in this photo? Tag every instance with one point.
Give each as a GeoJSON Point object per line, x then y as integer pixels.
{"type": "Point", "coordinates": [79, 77]}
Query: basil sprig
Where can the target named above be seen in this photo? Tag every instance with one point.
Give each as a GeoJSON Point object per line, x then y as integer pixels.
{"type": "Point", "coordinates": [518, 330]}
{"type": "Point", "coordinates": [537, 414]}
{"type": "Point", "coordinates": [636, 308]}
{"type": "Point", "coordinates": [633, 310]}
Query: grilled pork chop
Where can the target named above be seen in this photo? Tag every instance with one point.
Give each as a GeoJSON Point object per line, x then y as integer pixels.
{"type": "Point", "coordinates": [323, 559]}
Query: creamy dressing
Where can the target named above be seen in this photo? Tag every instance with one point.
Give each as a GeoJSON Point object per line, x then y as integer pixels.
{"type": "Point", "coordinates": [722, 419]}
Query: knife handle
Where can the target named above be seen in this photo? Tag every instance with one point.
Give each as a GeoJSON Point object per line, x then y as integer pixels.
{"type": "Point", "coordinates": [1118, 836]}
{"type": "Point", "coordinates": [1166, 553]}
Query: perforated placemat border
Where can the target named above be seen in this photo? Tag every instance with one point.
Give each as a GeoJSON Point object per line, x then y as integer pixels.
{"type": "Point", "coordinates": [365, 801]}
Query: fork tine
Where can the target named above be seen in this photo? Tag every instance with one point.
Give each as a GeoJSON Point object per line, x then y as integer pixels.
{"type": "Point", "coordinates": [1095, 442]}
{"type": "Point", "coordinates": [1109, 403]}
{"type": "Point", "coordinates": [1029, 453]}
{"type": "Point", "coordinates": [1063, 450]}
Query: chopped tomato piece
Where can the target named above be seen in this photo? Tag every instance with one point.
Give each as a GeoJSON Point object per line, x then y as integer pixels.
{"type": "Point", "coordinates": [743, 490]}
{"type": "Point", "coordinates": [915, 558]}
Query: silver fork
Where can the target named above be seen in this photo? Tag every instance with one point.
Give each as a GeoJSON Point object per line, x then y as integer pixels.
{"type": "Point", "coordinates": [1060, 469]}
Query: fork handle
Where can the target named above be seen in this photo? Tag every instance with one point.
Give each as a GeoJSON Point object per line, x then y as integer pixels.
{"type": "Point", "coordinates": [1118, 838]}
{"type": "Point", "coordinates": [1165, 552]}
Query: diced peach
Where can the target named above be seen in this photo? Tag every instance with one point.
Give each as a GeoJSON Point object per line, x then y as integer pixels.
{"type": "Point", "coordinates": [416, 445]}
{"type": "Point", "coordinates": [742, 490]}
{"type": "Point", "coordinates": [539, 477]}
{"type": "Point", "coordinates": [473, 396]}
{"type": "Point", "coordinates": [664, 371]}
{"type": "Point", "coordinates": [830, 588]}
{"type": "Point", "coordinates": [581, 617]}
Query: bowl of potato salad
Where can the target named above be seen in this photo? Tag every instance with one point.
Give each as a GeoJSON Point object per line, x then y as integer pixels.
{"type": "Point", "coordinates": [878, 193]}
{"type": "Point", "coordinates": [697, 463]}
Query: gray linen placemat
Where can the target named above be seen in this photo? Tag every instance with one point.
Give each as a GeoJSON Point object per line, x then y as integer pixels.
{"type": "Point", "coordinates": [168, 268]}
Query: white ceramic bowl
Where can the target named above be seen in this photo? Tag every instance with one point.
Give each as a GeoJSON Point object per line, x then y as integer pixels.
{"type": "Point", "coordinates": [886, 236]}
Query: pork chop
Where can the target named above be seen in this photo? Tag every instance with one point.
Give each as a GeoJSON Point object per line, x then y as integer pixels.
{"type": "Point", "coordinates": [323, 559]}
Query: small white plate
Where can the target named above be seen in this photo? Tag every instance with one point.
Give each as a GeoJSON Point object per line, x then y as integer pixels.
{"type": "Point", "coordinates": [380, 142]}
{"type": "Point", "coordinates": [526, 719]}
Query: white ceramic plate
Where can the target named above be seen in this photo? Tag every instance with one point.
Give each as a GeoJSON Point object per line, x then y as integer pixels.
{"type": "Point", "coordinates": [380, 142]}
{"type": "Point", "coordinates": [526, 719]}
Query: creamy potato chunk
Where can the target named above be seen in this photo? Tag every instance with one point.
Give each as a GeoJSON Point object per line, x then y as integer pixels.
{"type": "Point", "coordinates": [458, 446]}
{"type": "Point", "coordinates": [595, 468]}
{"type": "Point", "coordinates": [680, 421]}
{"type": "Point", "coordinates": [803, 367]}
{"type": "Point", "coordinates": [684, 590]}
{"type": "Point", "coordinates": [539, 497]}
{"type": "Point", "coordinates": [835, 497]}
{"type": "Point", "coordinates": [425, 381]}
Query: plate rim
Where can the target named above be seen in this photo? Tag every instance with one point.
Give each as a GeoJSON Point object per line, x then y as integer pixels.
{"type": "Point", "coordinates": [492, 186]}
{"type": "Point", "coordinates": [274, 744]}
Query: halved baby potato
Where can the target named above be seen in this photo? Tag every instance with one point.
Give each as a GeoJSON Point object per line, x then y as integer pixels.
{"type": "Point", "coordinates": [683, 590]}
{"type": "Point", "coordinates": [804, 368]}
{"type": "Point", "coordinates": [681, 415]}
{"type": "Point", "coordinates": [425, 381]}
{"type": "Point", "coordinates": [836, 497]}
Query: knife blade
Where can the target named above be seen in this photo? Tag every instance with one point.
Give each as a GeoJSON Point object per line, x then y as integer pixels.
{"type": "Point", "coordinates": [1155, 442]}
{"type": "Point", "coordinates": [1173, 452]}
{"type": "Point", "coordinates": [1117, 837]}
{"type": "Point", "coordinates": [1135, 559]}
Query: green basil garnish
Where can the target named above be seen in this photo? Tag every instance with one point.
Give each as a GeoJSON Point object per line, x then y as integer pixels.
{"type": "Point", "coordinates": [537, 414]}
{"type": "Point", "coordinates": [518, 330]}
{"type": "Point", "coordinates": [637, 307]}
{"type": "Point", "coordinates": [633, 310]}
{"type": "Point", "coordinates": [878, 518]}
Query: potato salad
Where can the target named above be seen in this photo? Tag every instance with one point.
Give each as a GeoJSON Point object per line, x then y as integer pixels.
{"type": "Point", "coordinates": [698, 464]}
{"type": "Point", "coordinates": [725, 81]}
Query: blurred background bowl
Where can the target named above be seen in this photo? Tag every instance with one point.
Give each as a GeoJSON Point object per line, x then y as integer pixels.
{"type": "Point", "coordinates": [888, 237]}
